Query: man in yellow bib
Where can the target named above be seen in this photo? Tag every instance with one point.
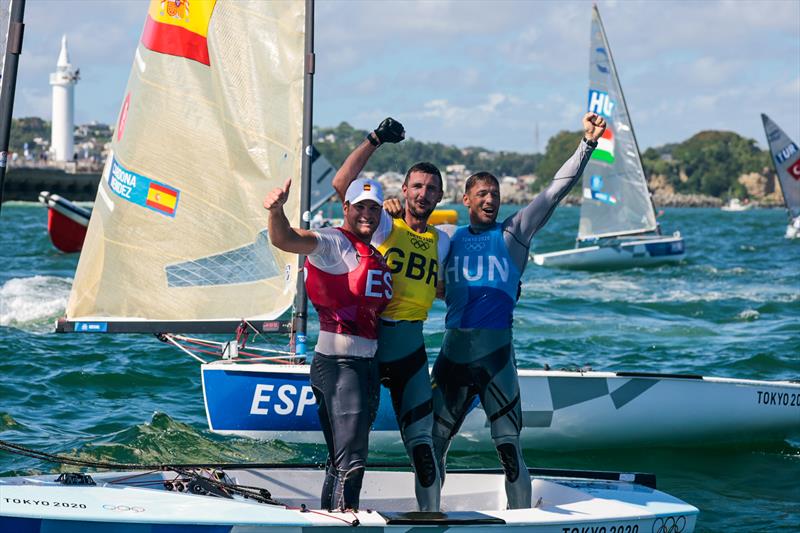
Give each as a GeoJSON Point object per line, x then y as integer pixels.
{"type": "Point", "coordinates": [414, 252]}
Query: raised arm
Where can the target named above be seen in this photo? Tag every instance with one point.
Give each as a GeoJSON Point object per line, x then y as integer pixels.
{"type": "Point", "coordinates": [531, 218]}
{"type": "Point", "coordinates": [281, 234]}
{"type": "Point", "coordinates": [389, 131]}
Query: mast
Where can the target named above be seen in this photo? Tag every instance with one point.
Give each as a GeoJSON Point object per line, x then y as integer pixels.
{"type": "Point", "coordinates": [624, 103]}
{"type": "Point", "coordinates": [9, 82]}
{"type": "Point", "coordinates": [301, 303]}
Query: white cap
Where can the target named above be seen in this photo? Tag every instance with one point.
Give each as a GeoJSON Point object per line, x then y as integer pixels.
{"type": "Point", "coordinates": [364, 189]}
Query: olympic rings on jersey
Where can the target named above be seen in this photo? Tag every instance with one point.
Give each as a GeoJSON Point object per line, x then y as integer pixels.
{"type": "Point", "coordinates": [420, 244]}
{"type": "Point", "coordinates": [474, 246]}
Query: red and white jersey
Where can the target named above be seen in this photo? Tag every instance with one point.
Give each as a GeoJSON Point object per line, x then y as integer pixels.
{"type": "Point", "coordinates": [349, 284]}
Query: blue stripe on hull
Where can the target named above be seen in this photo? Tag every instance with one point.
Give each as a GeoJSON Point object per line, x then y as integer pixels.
{"type": "Point", "coordinates": [37, 525]}
{"type": "Point", "coordinates": [249, 401]}
{"type": "Point", "coordinates": [660, 249]}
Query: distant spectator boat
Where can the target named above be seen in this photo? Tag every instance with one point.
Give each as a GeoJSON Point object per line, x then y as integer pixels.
{"type": "Point", "coordinates": [786, 158]}
{"type": "Point", "coordinates": [618, 227]}
{"type": "Point", "coordinates": [734, 204]}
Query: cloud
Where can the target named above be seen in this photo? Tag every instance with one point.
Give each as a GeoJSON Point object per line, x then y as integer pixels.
{"type": "Point", "coordinates": [479, 72]}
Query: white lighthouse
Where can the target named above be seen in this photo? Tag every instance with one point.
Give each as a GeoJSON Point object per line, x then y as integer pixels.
{"type": "Point", "coordinates": [63, 81]}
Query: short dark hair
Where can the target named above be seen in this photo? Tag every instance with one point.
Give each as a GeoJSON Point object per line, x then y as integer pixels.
{"type": "Point", "coordinates": [425, 168]}
{"type": "Point", "coordinates": [486, 177]}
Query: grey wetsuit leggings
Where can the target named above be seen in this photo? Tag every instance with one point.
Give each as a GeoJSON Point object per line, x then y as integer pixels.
{"type": "Point", "coordinates": [481, 363]}
{"type": "Point", "coordinates": [403, 365]}
{"type": "Point", "coordinates": [346, 389]}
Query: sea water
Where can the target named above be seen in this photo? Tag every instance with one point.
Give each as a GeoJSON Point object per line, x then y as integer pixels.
{"type": "Point", "coordinates": [731, 309]}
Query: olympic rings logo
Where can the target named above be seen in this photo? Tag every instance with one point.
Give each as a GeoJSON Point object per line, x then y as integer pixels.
{"type": "Point", "coordinates": [420, 244]}
{"type": "Point", "coordinates": [123, 508]}
{"type": "Point", "coordinates": [475, 246]}
{"type": "Point", "coordinates": [669, 524]}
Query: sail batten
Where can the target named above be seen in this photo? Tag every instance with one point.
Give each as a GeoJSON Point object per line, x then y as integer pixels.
{"type": "Point", "coordinates": [786, 158]}
{"type": "Point", "coordinates": [616, 200]}
{"type": "Point", "coordinates": [212, 120]}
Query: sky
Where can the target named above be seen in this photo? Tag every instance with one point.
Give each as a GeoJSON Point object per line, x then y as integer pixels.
{"type": "Point", "coordinates": [477, 72]}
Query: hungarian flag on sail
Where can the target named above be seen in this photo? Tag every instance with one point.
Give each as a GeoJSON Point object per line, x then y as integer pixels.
{"type": "Point", "coordinates": [605, 147]}
{"type": "Point", "coordinates": [179, 28]}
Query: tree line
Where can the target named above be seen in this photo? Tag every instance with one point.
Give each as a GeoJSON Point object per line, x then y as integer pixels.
{"type": "Point", "coordinates": [709, 162]}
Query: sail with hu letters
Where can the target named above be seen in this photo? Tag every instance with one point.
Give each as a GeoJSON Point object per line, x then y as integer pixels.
{"type": "Point", "coordinates": [615, 196]}
{"type": "Point", "coordinates": [212, 119]}
{"type": "Point", "coordinates": [617, 227]}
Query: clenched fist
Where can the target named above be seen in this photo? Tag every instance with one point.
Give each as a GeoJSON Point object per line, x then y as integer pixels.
{"type": "Point", "coordinates": [390, 131]}
{"type": "Point", "coordinates": [593, 126]}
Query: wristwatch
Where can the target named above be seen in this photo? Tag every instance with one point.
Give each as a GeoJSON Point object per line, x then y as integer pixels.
{"type": "Point", "coordinates": [593, 144]}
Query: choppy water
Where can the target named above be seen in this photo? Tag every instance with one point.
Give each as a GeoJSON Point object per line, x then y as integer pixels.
{"type": "Point", "coordinates": [732, 309]}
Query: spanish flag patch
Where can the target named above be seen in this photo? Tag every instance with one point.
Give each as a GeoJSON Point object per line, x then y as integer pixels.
{"type": "Point", "coordinates": [179, 28]}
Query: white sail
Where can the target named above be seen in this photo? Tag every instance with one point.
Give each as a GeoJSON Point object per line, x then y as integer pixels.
{"type": "Point", "coordinates": [786, 157]}
{"type": "Point", "coordinates": [615, 196]}
{"type": "Point", "coordinates": [211, 121]}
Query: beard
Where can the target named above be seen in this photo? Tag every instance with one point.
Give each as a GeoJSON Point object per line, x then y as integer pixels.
{"type": "Point", "coordinates": [421, 214]}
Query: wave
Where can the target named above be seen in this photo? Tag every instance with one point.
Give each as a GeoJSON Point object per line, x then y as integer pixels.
{"type": "Point", "coordinates": [609, 290]}
{"type": "Point", "coordinates": [33, 301]}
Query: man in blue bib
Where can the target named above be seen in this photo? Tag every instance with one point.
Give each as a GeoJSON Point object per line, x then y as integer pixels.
{"type": "Point", "coordinates": [482, 275]}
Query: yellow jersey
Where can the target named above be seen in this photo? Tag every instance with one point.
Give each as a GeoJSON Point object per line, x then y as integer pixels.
{"type": "Point", "coordinates": [413, 259]}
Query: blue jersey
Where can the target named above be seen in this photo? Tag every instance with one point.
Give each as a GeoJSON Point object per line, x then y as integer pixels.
{"type": "Point", "coordinates": [481, 280]}
{"type": "Point", "coordinates": [483, 269]}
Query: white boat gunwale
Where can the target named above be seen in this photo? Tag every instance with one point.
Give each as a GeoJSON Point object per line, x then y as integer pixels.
{"type": "Point", "coordinates": [558, 502]}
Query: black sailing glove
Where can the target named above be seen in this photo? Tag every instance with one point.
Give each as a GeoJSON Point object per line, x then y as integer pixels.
{"type": "Point", "coordinates": [389, 131]}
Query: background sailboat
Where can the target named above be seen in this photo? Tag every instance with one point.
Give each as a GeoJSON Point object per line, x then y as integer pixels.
{"type": "Point", "coordinates": [786, 158]}
{"type": "Point", "coordinates": [618, 225]}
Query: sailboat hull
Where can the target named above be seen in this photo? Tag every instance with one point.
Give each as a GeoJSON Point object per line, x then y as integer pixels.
{"type": "Point", "coordinates": [793, 229]}
{"type": "Point", "coordinates": [619, 254]}
{"type": "Point", "coordinates": [66, 222]}
{"type": "Point", "coordinates": [137, 503]}
{"type": "Point", "coordinates": [561, 410]}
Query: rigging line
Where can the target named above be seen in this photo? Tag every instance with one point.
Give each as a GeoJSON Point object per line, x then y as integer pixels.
{"type": "Point", "coordinates": [256, 493]}
{"type": "Point", "coordinates": [251, 357]}
{"type": "Point", "coordinates": [258, 335]}
{"type": "Point", "coordinates": [304, 509]}
{"type": "Point", "coordinates": [61, 459]}
{"type": "Point", "coordinates": [210, 343]}
{"type": "Point", "coordinates": [172, 341]}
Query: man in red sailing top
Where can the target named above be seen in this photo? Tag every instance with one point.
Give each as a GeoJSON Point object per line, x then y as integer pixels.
{"type": "Point", "coordinates": [349, 284]}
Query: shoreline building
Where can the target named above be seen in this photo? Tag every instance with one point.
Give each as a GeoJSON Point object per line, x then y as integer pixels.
{"type": "Point", "coordinates": [63, 80]}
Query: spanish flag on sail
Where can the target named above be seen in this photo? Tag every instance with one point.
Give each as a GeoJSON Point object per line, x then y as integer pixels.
{"type": "Point", "coordinates": [179, 28]}
{"type": "Point", "coordinates": [605, 147]}
{"type": "Point", "coordinates": [162, 198]}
